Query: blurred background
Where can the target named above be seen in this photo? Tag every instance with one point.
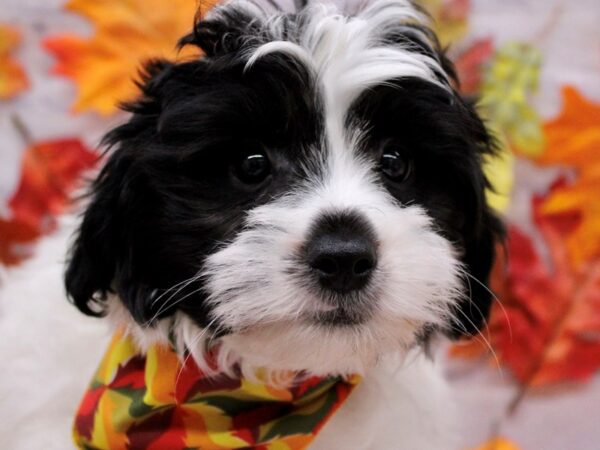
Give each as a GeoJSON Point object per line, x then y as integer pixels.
{"type": "Point", "coordinates": [530, 379]}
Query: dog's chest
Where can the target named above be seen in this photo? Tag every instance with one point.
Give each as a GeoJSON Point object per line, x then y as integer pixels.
{"type": "Point", "coordinates": [395, 408]}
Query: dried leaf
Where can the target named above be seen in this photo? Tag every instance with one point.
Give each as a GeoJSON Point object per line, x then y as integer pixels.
{"type": "Point", "coordinates": [13, 79]}
{"type": "Point", "coordinates": [498, 444]}
{"type": "Point", "coordinates": [450, 18]}
{"type": "Point", "coordinates": [499, 171]}
{"type": "Point", "coordinates": [573, 140]}
{"type": "Point", "coordinates": [15, 238]}
{"type": "Point", "coordinates": [49, 172]}
{"type": "Point", "coordinates": [470, 64]}
{"type": "Point", "coordinates": [553, 308]}
{"type": "Point", "coordinates": [127, 33]}
{"type": "Point", "coordinates": [512, 76]}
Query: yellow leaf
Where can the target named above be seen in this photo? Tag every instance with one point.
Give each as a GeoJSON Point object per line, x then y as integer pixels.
{"type": "Point", "coordinates": [499, 170]}
{"type": "Point", "coordinates": [450, 18]}
{"type": "Point", "coordinates": [510, 79]}
{"type": "Point", "coordinates": [498, 444]}
{"type": "Point", "coordinates": [13, 79]}
{"type": "Point", "coordinates": [127, 33]}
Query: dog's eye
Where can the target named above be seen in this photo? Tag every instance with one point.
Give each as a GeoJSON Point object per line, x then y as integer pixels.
{"type": "Point", "coordinates": [252, 167]}
{"type": "Point", "coordinates": [395, 165]}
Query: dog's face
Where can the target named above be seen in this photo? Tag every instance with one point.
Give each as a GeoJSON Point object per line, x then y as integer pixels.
{"type": "Point", "coordinates": [309, 193]}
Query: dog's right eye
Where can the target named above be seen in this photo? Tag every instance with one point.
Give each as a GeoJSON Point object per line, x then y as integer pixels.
{"type": "Point", "coordinates": [252, 168]}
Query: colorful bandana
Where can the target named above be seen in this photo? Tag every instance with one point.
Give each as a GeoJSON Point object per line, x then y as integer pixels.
{"type": "Point", "coordinates": [153, 402]}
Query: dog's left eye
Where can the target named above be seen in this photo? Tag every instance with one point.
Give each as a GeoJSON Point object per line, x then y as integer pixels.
{"type": "Point", "coordinates": [252, 168]}
{"type": "Point", "coordinates": [395, 164]}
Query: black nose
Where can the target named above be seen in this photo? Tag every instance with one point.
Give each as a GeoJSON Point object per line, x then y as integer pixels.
{"type": "Point", "coordinates": [342, 253]}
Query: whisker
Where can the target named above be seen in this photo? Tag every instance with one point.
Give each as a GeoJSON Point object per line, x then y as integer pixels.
{"type": "Point", "coordinates": [166, 305]}
{"type": "Point", "coordinates": [487, 343]}
{"type": "Point", "coordinates": [497, 300]}
{"type": "Point", "coordinates": [186, 282]}
{"type": "Point", "coordinates": [472, 303]}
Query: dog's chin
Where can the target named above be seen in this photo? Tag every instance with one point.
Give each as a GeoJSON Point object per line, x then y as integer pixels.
{"type": "Point", "coordinates": [333, 343]}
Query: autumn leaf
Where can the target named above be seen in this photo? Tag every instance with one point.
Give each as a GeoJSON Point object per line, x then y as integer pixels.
{"type": "Point", "coordinates": [501, 80]}
{"type": "Point", "coordinates": [49, 172]}
{"type": "Point", "coordinates": [15, 240]}
{"type": "Point", "coordinates": [499, 171]}
{"type": "Point", "coordinates": [509, 80]}
{"type": "Point", "coordinates": [127, 33]}
{"type": "Point", "coordinates": [553, 308]}
{"type": "Point", "coordinates": [573, 141]}
{"type": "Point", "coordinates": [498, 444]}
{"type": "Point", "coordinates": [470, 64]}
{"type": "Point", "coordinates": [450, 18]}
{"type": "Point", "coordinates": [13, 79]}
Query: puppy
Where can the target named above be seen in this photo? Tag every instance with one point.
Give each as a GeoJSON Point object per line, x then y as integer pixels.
{"type": "Point", "coordinates": [307, 196]}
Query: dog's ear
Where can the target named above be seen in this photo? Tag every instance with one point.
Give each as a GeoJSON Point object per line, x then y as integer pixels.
{"type": "Point", "coordinates": [93, 259]}
{"type": "Point", "coordinates": [482, 232]}
{"type": "Point", "coordinates": [478, 259]}
{"type": "Point", "coordinates": [102, 256]}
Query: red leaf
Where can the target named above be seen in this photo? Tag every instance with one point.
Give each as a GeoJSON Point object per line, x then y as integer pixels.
{"type": "Point", "coordinates": [455, 9]}
{"type": "Point", "coordinates": [14, 240]}
{"type": "Point", "coordinates": [553, 308]}
{"type": "Point", "coordinates": [469, 65]}
{"type": "Point", "coordinates": [49, 172]}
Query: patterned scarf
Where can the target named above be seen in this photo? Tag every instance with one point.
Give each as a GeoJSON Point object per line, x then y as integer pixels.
{"type": "Point", "coordinates": [153, 402]}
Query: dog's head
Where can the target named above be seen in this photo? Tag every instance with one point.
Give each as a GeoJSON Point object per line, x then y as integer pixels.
{"type": "Point", "coordinates": [309, 193]}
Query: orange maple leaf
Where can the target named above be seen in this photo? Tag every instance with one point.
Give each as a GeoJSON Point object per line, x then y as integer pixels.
{"type": "Point", "coordinates": [13, 79]}
{"type": "Point", "coordinates": [49, 172]}
{"type": "Point", "coordinates": [573, 140]}
{"type": "Point", "coordinates": [553, 309]}
{"type": "Point", "coordinates": [127, 34]}
{"type": "Point", "coordinates": [498, 443]}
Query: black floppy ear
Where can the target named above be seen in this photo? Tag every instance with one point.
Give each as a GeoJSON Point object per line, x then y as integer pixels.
{"type": "Point", "coordinates": [101, 259]}
{"type": "Point", "coordinates": [93, 259]}
{"type": "Point", "coordinates": [105, 257]}
{"type": "Point", "coordinates": [482, 232]}
{"type": "Point", "coordinates": [478, 259]}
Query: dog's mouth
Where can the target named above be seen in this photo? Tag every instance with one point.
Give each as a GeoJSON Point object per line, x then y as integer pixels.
{"type": "Point", "coordinates": [341, 317]}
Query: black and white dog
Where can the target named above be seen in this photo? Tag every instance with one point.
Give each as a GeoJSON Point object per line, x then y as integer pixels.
{"type": "Point", "coordinates": [309, 194]}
